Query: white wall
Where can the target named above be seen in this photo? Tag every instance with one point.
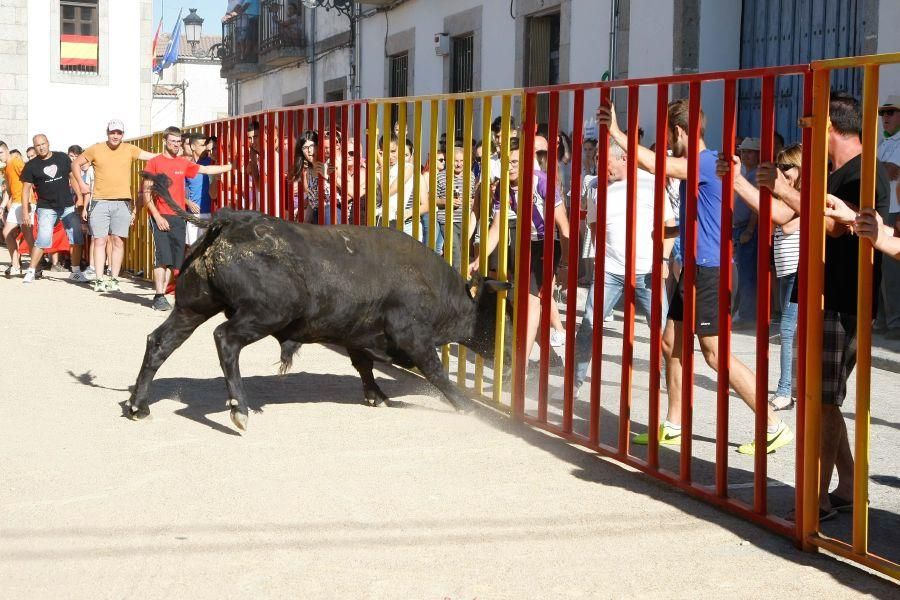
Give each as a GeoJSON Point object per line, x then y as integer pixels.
{"type": "Point", "coordinates": [720, 50]}
{"type": "Point", "coordinates": [888, 41]}
{"type": "Point", "coordinates": [77, 113]}
{"type": "Point", "coordinates": [650, 54]}
{"type": "Point", "coordinates": [207, 96]}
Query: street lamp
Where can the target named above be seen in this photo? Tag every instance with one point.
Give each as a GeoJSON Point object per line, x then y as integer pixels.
{"type": "Point", "coordinates": [193, 25]}
{"type": "Point", "coordinates": [345, 7]}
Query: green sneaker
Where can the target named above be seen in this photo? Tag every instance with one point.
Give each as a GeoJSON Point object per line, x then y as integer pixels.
{"type": "Point", "coordinates": [99, 284]}
{"type": "Point", "coordinates": [781, 437]}
{"type": "Point", "coordinates": [667, 437]}
{"type": "Point", "coordinates": [112, 285]}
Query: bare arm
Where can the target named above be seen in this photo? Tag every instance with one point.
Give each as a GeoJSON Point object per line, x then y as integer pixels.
{"type": "Point", "coordinates": [675, 167]}
{"type": "Point", "coordinates": [562, 220]}
{"type": "Point", "coordinates": [214, 170]}
{"type": "Point", "coordinates": [870, 226]}
{"type": "Point", "coordinates": [27, 190]}
{"type": "Point", "coordinates": [781, 212]}
{"type": "Point", "coordinates": [144, 155]}
{"type": "Point", "coordinates": [78, 165]}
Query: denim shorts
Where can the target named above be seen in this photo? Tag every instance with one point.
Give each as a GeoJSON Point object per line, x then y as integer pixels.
{"type": "Point", "coordinates": [47, 219]}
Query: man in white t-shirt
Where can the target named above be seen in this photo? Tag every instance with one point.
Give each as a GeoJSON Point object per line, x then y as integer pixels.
{"type": "Point", "coordinates": [889, 154]}
{"type": "Point", "coordinates": [616, 230]}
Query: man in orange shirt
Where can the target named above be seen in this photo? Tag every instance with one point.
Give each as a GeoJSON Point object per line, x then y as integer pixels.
{"type": "Point", "coordinates": [12, 220]}
{"type": "Point", "coordinates": [111, 210]}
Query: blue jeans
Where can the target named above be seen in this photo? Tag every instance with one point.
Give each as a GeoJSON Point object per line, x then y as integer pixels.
{"type": "Point", "coordinates": [745, 293]}
{"type": "Point", "coordinates": [788, 328]}
{"type": "Point", "coordinates": [46, 220]}
{"type": "Point", "coordinates": [614, 288]}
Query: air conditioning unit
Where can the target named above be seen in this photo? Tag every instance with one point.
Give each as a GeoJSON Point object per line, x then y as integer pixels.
{"type": "Point", "coordinates": [441, 44]}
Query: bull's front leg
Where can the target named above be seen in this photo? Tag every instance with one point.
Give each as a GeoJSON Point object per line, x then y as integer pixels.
{"type": "Point", "coordinates": [231, 337]}
{"type": "Point", "coordinates": [164, 340]}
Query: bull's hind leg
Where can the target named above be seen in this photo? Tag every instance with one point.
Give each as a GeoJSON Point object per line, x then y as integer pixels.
{"type": "Point", "coordinates": [362, 362]}
{"type": "Point", "coordinates": [164, 340]}
{"type": "Point", "coordinates": [231, 337]}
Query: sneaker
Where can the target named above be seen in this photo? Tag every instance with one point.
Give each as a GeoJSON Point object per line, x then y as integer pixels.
{"type": "Point", "coordinates": [99, 284]}
{"type": "Point", "coordinates": [29, 276]}
{"type": "Point", "coordinates": [90, 274]}
{"type": "Point", "coordinates": [557, 338]}
{"type": "Point", "coordinates": [781, 437]}
{"type": "Point", "coordinates": [78, 277]}
{"type": "Point", "coordinates": [13, 272]}
{"type": "Point", "coordinates": [108, 272]}
{"type": "Point", "coordinates": [667, 437]}
{"type": "Point", "coordinates": [161, 304]}
{"type": "Point", "coordinates": [58, 268]}
{"type": "Point", "coordinates": [610, 318]}
{"type": "Point", "coordinates": [112, 285]}
{"type": "Point", "coordinates": [779, 402]}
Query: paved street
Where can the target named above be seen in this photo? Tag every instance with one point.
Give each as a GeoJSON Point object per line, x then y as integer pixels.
{"type": "Point", "coordinates": [324, 497]}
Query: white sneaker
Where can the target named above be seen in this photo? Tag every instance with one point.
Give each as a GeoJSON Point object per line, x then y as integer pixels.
{"type": "Point", "coordinates": [90, 274]}
{"type": "Point", "coordinates": [557, 338]}
{"type": "Point", "coordinates": [13, 272]}
{"type": "Point", "coordinates": [29, 276]}
{"type": "Point", "coordinates": [610, 318]}
{"type": "Point", "coordinates": [78, 277]}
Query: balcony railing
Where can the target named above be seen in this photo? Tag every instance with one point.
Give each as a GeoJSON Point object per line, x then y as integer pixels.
{"type": "Point", "coordinates": [240, 40]}
{"type": "Point", "coordinates": [281, 25]}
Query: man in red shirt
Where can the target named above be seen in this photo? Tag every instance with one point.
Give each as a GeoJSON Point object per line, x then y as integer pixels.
{"type": "Point", "coordinates": [169, 228]}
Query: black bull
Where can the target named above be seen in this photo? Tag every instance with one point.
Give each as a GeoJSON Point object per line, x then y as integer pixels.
{"type": "Point", "coordinates": [377, 292]}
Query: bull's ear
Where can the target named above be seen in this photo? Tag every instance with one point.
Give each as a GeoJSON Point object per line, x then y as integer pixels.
{"type": "Point", "coordinates": [495, 285]}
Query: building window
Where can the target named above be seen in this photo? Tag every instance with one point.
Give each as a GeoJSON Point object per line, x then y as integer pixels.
{"type": "Point", "coordinates": [398, 80]}
{"type": "Point", "coordinates": [462, 73]}
{"type": "Point", "coordinates": [79, 36]}
{"type": "Point", "coordinates": [542, 54]}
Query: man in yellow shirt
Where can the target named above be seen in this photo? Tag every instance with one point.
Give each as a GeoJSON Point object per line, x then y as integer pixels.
{"type": "Point", "coordinates": [12, 202]}
{"type": "Point", "coordinates": [111, 210]}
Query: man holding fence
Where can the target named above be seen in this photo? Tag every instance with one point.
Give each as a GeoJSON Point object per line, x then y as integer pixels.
{"type": "Point", "coordinates": [709, 233]}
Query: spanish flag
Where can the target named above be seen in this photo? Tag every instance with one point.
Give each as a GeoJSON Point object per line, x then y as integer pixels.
{"type": "Point", "coordinates": [78, 50]}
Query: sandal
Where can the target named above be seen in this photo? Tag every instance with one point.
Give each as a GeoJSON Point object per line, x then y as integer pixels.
{"type": "Point", "coordinates": [777, 406]}
{"type": "Point", "coordinates": [824, 515]}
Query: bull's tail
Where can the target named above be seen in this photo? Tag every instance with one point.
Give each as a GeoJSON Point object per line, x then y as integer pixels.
{"type": "Point", "coordinates": [161, 185]}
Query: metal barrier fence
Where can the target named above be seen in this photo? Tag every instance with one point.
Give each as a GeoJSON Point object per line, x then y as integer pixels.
{"type": "Point", "coordinates": [262, 147]}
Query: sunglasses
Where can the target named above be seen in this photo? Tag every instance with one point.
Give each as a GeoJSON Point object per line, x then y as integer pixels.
{"type": "Point", "coordinates": [887, 112]}
{"type": "Point", "coordinates": [785, 167]}
{"type": "Point", "coordinates": [442, 160]}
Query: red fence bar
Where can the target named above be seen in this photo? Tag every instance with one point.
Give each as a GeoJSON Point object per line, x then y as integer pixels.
{"type": "Point", "coordinates": [630, 257]}
{"type": "Point", "coordinates": [549, 239]}
{"type": "Point", "coordinates": [763, 299]}
{"type": "Point", "coordinates": [574, 261]}
{"type": "Point", "coordinates": [320, 158]}
{"type": "Point", "coordinates": [345, 137]}
{"type": "Point", "coordinates": [273, 149]}
{"type": "Point", "coordinates": [240, 145]}
{"type": "Point", "coordinates": [689, 278]}
{"type": "Point", "coordinates": [729, 114]}
{"type": "Point", "coordinates": [660, 195]}
{"type": "Point", "coordinates": [599, 275]}
{"type": "Point", "coordinates": [523, 224]}
{"type": "Point", "coordinates": [802, 296]}
{"type": "Point", "coordinates": [331, 160]}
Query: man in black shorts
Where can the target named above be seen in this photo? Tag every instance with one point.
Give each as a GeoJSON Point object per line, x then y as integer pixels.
{"type": "Point", "coordinates": [169, 228]}
{"type": "Point", "coordinates": [709, 214]}
{"type": "Point", "coordinates": [840, 286]}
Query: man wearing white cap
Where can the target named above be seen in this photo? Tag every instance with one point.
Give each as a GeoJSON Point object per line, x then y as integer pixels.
{"type": "Point", "coordinates": [111, 209]}
{"type": "Point", "coordinates": [745, 242]}
{"type": "Point", "coordinates": [889, 154]}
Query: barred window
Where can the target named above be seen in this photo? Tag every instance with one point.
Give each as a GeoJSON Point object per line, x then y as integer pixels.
{"type": "Point", "coordinates": [79, 29]}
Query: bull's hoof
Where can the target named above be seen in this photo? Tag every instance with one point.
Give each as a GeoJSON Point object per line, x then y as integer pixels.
{"type": "Point", "coordinates": [139, 413]}
{"type": "Point", "coordinates": [239, 419]}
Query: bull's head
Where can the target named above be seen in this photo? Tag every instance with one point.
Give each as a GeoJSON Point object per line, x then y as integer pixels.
{"type": "Point", "coordinates": [486, 294]}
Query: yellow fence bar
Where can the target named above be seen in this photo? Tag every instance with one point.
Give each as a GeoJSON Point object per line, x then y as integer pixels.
{"type": "Point", "coordinates": [401, 165]}
{"type": "Point", "coordinates": [417, 176]}
{"type": "Point", "coordinates": [484, 210]}
{"type": "Point", "coordinates": [371, 162]}
{"type": "Point", "coordinates": [466, 222]}
{"type": "Point", "coordinates": [502, 249]}
{"type": "Point", "coordinates": [449, 153]}
{"type": "Point", "coordinates": [386, 165]}
{"type": "Point", "coordinates": [855, 61]}
{"type": "Point", "coordinates": [432, 175]}
{"type": "Point", "coordinates": [816, 271]}
{"type": "Point", "coordinates": [864, 316]}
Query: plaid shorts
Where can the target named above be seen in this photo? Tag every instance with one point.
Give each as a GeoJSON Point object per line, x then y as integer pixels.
{"type": "Point", "coordinates": [838, 355]}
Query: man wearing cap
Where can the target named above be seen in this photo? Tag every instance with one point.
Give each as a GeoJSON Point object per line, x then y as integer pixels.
{"type": "Point", "coordinates": [746, 241]}
{"type": "Point", "coordinates": [111, 210]}
{"type": "Point", "coordinates": [889, 155]}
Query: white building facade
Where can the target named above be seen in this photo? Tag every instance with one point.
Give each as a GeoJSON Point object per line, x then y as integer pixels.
{"type": "Point", "coordinates": [417, 47]}
{"type": "Point", "coordinates": [69, 66]}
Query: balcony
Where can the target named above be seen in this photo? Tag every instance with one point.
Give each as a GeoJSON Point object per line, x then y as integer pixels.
{"type": "Point", "coordinates": [240, 46]}
{"type": "Point", "coordinates": [281, 36]}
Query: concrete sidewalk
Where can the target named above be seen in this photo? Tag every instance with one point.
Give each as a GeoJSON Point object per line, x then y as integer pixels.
{"type": "Point", "coordinates": [324, 497]}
